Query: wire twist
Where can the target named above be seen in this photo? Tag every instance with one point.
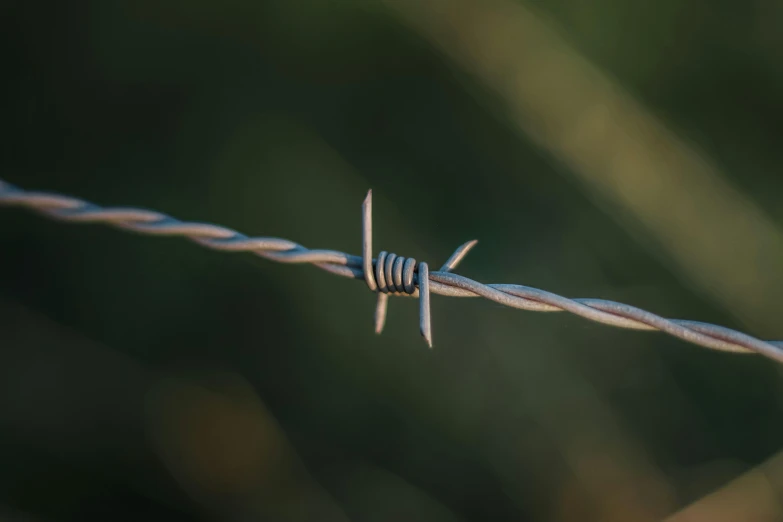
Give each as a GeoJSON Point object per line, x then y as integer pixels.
{"type": "Point", "coordinates": [442, 282]}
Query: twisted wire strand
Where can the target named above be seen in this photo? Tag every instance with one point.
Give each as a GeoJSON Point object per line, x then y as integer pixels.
{"type": "Point", "coordinates": [441, 282]}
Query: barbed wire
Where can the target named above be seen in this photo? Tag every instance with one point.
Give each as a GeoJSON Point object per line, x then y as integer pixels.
{"type": "Point", "coordinates": [388, 274]}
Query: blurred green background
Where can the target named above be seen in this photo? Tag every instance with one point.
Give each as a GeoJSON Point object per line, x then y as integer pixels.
{"type": "Point", "coordinates": [622, 150]}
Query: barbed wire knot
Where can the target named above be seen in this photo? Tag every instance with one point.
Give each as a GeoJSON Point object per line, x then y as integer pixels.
{"type": "Point", "coordinates": [391, 274]}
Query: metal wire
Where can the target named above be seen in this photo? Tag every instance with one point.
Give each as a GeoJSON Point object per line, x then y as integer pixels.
{"type": "Point", "coordinates": [398, 272]}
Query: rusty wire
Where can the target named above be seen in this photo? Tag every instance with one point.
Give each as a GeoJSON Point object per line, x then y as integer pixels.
{"type": "Point", "coordinates": [389, 273]}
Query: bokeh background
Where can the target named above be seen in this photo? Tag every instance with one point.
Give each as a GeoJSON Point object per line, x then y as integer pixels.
{"type": "Point", "coordinates": [627, 150]}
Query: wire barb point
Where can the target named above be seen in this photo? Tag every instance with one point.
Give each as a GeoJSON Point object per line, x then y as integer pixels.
{"type": "Point", "coordinates": [458, 255]}
{"type": "Point", "coordinates": [425, 324]}
{"type": "Point", "coordinates": [367, 242]}
{"type": "Point", "coordinates": [380, 312]}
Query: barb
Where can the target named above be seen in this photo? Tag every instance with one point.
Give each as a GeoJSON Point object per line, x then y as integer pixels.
{"type": "Point", "coordinates": [386, 277]}
{"type": "Point", "coordinates": [395, 275]}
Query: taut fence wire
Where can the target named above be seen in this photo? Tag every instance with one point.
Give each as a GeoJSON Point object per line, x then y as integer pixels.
{"type": "Point", "coordinates": [388, 274]}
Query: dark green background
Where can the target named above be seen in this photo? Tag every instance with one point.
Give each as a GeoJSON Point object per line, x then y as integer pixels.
{"type": "Point", "coordinates": [275, 117]}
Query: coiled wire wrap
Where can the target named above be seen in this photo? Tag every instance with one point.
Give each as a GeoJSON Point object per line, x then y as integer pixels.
{"type": "Point", "coordinates": [66, 208]}
{"type": "Point", "coordinates": [394, 274]}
